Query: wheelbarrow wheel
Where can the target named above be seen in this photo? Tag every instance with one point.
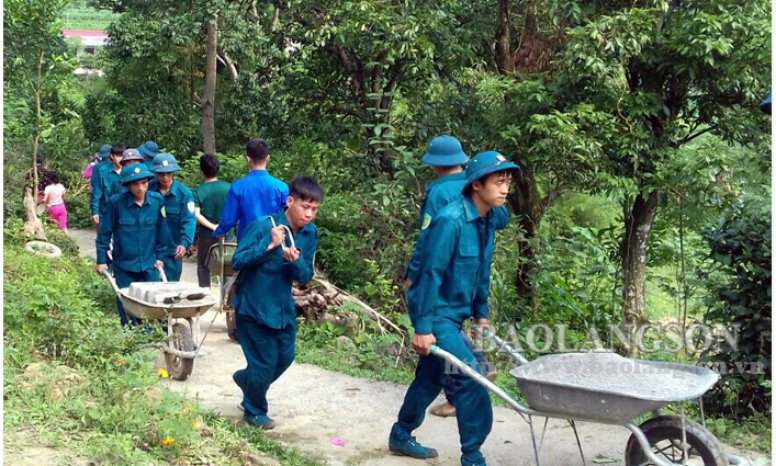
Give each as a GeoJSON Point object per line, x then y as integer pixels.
{"type": "Point", "coordinates": [664, 434]}
{"type": "Point", "coordinates": [178, 367]}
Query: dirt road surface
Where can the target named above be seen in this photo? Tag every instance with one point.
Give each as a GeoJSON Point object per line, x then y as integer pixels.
{"type": "Point", "coordinates": [314, 406]}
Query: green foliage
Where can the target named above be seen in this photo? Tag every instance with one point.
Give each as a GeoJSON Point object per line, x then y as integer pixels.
{"type": "Point", "coordinates": [739, 287]}
{"type": "Point", "coordinates": [51, 310]}
{"type": "Point", "coordinates": [72, 377]}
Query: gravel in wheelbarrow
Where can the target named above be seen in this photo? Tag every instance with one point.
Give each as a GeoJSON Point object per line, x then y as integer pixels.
{"type": "Point", "coordinates": [606, 387]}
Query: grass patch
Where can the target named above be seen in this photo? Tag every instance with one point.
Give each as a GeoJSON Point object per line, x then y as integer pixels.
{"type": "Point", "coordinates": [77, 383]}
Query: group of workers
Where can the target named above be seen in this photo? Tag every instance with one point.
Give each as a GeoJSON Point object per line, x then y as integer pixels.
{"type": "Point", "coordinates": [150, 224]}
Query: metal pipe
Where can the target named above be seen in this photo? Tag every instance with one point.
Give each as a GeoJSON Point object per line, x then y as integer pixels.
{"type": "Point", "coordinates": [181, 354]}
{"type": "Point", "coordinates": [498, 391]}
{"type": "Point", "coordinates": [112, 281]}
{"type": "Point", "coordinates": [163, 275]}
{"type": "Point", "coordinates": [517, 357]}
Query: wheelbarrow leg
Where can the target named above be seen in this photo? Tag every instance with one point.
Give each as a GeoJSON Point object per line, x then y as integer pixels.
{"type": "Point", "coordinates": [533, 440]}
{"type": "Point", "coordinates": [579, 444]}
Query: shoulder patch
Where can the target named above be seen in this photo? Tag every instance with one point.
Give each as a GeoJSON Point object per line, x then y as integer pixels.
{"type": "Point", "coordinates": [191, 206]}
{"type": "Point", "coordinates": [426, 221]}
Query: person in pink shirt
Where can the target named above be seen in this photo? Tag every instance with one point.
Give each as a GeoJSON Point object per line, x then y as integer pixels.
{"type": "Point", "coordinates": [54, 197]}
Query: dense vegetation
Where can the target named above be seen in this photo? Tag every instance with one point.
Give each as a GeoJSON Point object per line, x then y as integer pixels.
{"type": "Point", "coordinates": [646, 161]}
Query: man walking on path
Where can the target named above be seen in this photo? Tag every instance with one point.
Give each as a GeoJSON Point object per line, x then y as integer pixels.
{"type": "Point", "coordinates": [179, 206]}
{"type": "Point", "coordinates": [255, 195]}
{"type": "Point", "coordinates": [135, 221]}
{"type": "Point", "coordinates": [445, 155]}
{"type": "Point", "coordinates": [209, 200]}
{"type": "Point", "coordinates": [274, 252]}
{"type": "Point", "coordinates": [451, 286]}
{"type": "Point", "coordinates": [95, 183]}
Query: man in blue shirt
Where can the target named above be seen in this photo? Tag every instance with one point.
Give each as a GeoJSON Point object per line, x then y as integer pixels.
{"type": "Point", "coordinates": [149, 150]}
{"type": "Point", "coordinates": [253, 196]}
{"type": "Point", "coordinates": [103, 176]}
{"type": "Point", "coordinates": [451, 286]}
{"type": "Point", "coordinates": [135, 221]}
{"type": "Point", "coordinates": [275, 251]}
{"type": "Point", "coordinates": [94, 181]}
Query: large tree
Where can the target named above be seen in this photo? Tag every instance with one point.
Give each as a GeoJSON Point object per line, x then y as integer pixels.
{"type": "Point", "coordinates": [35, 65]}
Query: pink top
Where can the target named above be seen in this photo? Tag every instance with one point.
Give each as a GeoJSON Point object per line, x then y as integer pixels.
{"type": "Point", "coordinates": [54, 194]}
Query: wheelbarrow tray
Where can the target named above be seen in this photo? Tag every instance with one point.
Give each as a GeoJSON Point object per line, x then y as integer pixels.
{"type": "Point", "coordinates": [217, 257]}
{"type": "Point", "coordinates": [604, 403]}
{"type": "Point", "coordinates": [184, 309]}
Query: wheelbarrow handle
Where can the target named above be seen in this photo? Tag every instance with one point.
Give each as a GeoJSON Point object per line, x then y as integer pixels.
{"type": "Point", "coordinates": [517, 357]}
{"type": "Point", "coordinates": [163, 275]}
{"type": "Point", "coordinates": [110, 278]}
{"type": "Point", "coordinates": [465, 369]}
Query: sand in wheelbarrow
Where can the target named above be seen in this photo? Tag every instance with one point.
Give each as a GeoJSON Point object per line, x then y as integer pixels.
{"type": "Point", "coordinates": [610, 372]}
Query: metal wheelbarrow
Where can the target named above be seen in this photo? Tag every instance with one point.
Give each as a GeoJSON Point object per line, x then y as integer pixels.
{"type": "Point", "coordinates": [219, 260]}
{"type": "Point", "coordinates": [182, 314]}
{"type": "Point", "coordinates": [661, 440]}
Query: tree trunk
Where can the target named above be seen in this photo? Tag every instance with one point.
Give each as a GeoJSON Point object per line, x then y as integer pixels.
{"type": "Point", "coordinates": [36, 136]}
{"type": "Point", "coordinates": [504, 59]}
{"type": "Point", "coordinates": [209, 95]}
{"type": "Point", "coordinates": [638, 226]}
{"type": "Point", "coordinates": [526, 202]}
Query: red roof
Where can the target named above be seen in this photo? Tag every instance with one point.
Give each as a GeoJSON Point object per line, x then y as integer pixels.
{"type": "Point", "coordinates": [84, 33]}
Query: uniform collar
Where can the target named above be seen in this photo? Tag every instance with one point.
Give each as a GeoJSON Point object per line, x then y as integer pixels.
{"type": "Point", "coordinates": [131, 198]}
{"type": "Point", "coordinates": [459, 176]}
{"type": "Point", "coordinates": [258, 172]}
{"type": "Point", "coordinates": [173, 189]}
{"type": "Point", "coordinates": [470, 209]}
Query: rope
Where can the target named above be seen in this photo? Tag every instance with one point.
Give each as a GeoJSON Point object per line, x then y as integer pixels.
{"type": "Point", "coordinates": [290, 233]}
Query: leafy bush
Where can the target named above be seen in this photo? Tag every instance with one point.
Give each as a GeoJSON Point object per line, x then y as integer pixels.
{"type": "Point", "coordinates": [739, 286]}
{"type": "Point", "coordinates": [60, 308]}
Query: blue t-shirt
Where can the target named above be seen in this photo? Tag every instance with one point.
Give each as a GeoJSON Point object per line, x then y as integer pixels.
{"type": "Point", "coordinates": [255, 195]}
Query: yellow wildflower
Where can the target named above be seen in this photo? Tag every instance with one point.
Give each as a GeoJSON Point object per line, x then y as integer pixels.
{"type": "Point", "coordinates": [363, 27]}
{"type": "Point", "coordinates": [195, 425]}
{"type": "Point", "coordinates": [168, 441]}
{"type": "Point", "coordinates": [162, 373]}
{"type": "Point", "coordinates": [120, 361]}
{"type": "Point", "coordinates": [187, 408]}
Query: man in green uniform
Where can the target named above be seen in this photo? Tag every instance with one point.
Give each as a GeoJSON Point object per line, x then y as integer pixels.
{"type": "Point", "coordinates": [209, 199]}
{"type": "Point", "coordinates": [135, 221]}
{"type": "Point", "coordinates": [265, 310]}
{"type": "Point", "coordinates": [451, 286]}
{"type": "Point", "coordinates": [179, 205]}
{"type": "Point", "coordinates": [104, 175]}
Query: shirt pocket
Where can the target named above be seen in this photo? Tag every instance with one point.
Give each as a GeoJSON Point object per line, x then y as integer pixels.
{"type": "Point", "coordinates": [128, 222]}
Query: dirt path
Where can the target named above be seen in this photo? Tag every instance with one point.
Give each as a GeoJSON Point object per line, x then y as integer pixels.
{"type": "Point", "coordinates": [312, 406]}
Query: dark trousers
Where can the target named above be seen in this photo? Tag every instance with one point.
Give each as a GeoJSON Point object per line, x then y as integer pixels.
{"type": "Point", "coordinates": [484, 365]}
{"type": "Point", "coordinates": [172, 268]}
{"type": "Point", "coordinates": [269, 352]}
{"type": "Point", "coordinates": [124, 279]}
{"type": "Point", "coordinates": [473, 408]}
{"type": "Point", "coordinates": [203, 248]}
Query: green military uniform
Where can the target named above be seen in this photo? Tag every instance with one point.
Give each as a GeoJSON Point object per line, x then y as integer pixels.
{"type": "Point", "coordinates": [138, 234]}
{"type": "Point", "coordinates": [451, 287]}
{"type": "Point", "coordinates": [181, 221]}
{"type": "Point", "coordinates": [265, 310]}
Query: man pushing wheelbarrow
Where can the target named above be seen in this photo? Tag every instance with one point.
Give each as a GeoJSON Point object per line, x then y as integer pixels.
{"type": "Point", "coordinates": [451, 286]}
